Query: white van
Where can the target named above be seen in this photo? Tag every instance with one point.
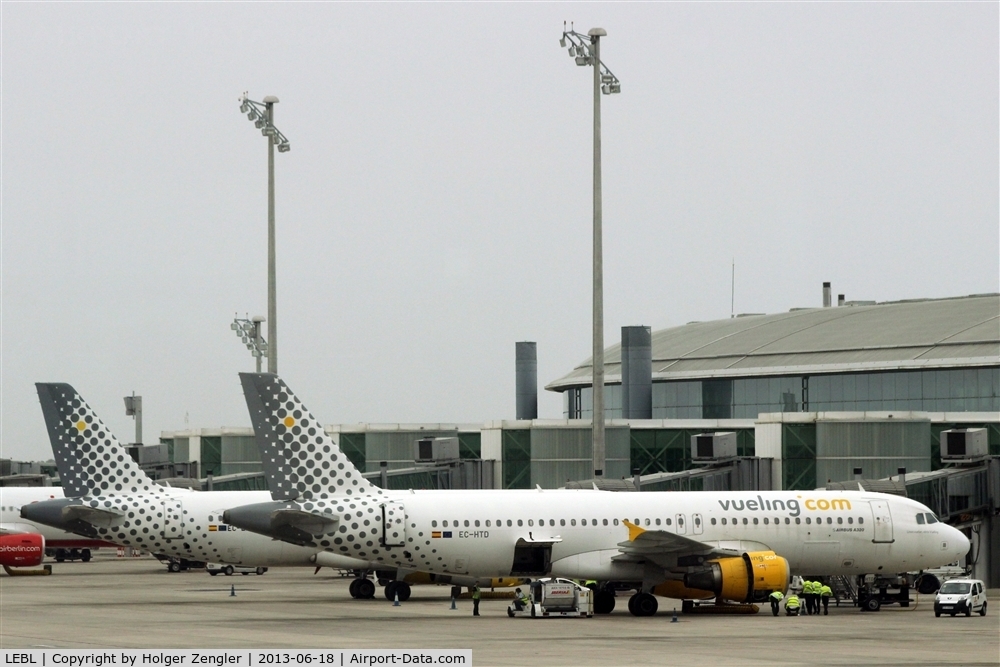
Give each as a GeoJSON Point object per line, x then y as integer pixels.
{"type": "Point", "coordinates": [961, 596]}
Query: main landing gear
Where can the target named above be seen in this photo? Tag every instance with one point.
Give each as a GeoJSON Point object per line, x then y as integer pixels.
{"type": "Point", "coordinates": [642, 604]}
{"type": "Point", "coordinates": [362, 589]}
{"type": "Point", "coordinates": [394, 588]}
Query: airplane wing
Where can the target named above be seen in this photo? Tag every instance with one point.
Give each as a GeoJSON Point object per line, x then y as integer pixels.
{"type": "Point", "coordinates": [95, 516]}
{"type": "Point", "coordinates": [665, 548]}
{"type": "Point", "coordinates": [314, 524]}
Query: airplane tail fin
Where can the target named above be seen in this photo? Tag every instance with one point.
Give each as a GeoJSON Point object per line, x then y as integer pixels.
{"type": "Point", "coordinates": [90, 460]}
{"type": "Point", "coordinates": [299, 458]}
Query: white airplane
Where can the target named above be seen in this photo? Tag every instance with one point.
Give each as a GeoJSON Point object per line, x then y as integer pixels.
{"type": "Point", "coordinates": [737, 546]}
{"type": "Point", "coordinates": [109, 497]}
{"type": "Point", "coordinates": [60, 543]}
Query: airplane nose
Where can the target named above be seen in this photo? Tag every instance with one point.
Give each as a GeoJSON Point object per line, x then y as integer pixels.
{"type": "Point", "coordinates": [959, 541]}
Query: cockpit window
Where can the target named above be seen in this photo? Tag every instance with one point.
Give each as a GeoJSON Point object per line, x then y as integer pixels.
{"type": "Point", "coordinates": [954, 588]}
{"type": "Point", "coordinates": [920, 519]}
{"type": "Point", "coordinates": [931, 518]}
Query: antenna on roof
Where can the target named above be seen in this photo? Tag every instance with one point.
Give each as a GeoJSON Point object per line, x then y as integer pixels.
{"type": "Point", "coordinates": [732, 293]}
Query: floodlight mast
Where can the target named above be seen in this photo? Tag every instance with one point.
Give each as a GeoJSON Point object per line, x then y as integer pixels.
{"type": "Point", "coordinates": [262, 115]}
{"type": "Point", "coordinates": [249, 331]}
{"type": "Point", "coordinates": [586, 50]}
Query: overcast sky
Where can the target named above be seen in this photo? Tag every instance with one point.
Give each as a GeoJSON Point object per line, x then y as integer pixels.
{"type": "Point", "coordinates": [435, 207]}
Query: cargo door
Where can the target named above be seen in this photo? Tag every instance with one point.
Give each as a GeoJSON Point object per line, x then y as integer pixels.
{"type": "Point", "coordinates": [393, 525]}
{"type": "Point", "coordinates": [697, 525]}
{"type": "Point", "coordinates": [173, 520]}
{"type": "Point", "coordinates": [883, 521]}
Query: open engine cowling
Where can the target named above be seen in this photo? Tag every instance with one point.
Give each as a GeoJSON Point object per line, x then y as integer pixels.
{"type": "Point", "coordinates": [22, 550]}
{"type": "Point", "coordinates": [747, 578]}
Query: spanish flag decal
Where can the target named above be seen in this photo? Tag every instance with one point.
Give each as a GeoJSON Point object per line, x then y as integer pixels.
{"type": "Point", "coordinates": [212, 528]}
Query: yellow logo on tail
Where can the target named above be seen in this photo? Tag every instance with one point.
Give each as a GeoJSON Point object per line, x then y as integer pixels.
{"type": "Point", "coordinates": [288, 422]}
{"type": "Point", "coordinates": [81, 426]}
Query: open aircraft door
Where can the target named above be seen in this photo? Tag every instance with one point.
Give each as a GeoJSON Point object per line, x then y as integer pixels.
{"type": "Point", "coordinates": [173, 520]}
{"type": "Point", "coordinates": [883, 521]}
{"type": "Point", "coordinates": [393, 524]}
{"type": "Point", "coordinates": [533, 555]}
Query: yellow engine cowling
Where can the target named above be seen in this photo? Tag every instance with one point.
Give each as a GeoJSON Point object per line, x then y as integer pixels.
{"type": "Point", "coordinates": [675, 588]}
{"type": "Point", "coordinates": [747, 578]}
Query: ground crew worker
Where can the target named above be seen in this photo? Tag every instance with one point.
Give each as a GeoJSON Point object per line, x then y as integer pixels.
{"type": "Point", "coordinates": [776, 598]}
{"type": "Point", "coordinates": [825, 592]}
{"type": "Point", "coordinates": [476, 594]}
{"type": "Point", "coordinates": [807, 593]}
{"type": "Point", "coordinates": [792, 605]}
{"type": "Point", "coordinates": [520, 600]}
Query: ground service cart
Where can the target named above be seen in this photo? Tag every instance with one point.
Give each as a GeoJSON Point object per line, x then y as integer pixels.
{"type": "Point", "coordinates": [554, 597]}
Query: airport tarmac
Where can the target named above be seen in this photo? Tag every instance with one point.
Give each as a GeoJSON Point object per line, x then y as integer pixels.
{"type": "Point", "coordinates": [136, 603]}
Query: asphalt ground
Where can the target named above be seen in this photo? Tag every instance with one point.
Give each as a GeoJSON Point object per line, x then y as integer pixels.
{"type": "Point", "coordinates": [136, 603]}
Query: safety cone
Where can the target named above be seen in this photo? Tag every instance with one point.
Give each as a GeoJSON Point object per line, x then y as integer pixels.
{"type": "Point", "coordinates": [453, 603]}
{"type": "Point", "coordinates": [674, 619]}
{"type": "Point", "coordinates": [232, 590]}
{"type": "Point", "coordinates": [395, 602]}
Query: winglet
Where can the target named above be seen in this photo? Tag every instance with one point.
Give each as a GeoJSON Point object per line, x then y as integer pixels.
{"type": "Point", "coordinates": [634, 531]}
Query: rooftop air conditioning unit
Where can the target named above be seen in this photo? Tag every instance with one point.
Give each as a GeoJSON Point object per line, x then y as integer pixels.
{"type": "Point", "coordinates": [964, 444]}
{"type": "Point", "coordinates": [435, 450]}
{"type": "Point", "coordinates": [713, 446]}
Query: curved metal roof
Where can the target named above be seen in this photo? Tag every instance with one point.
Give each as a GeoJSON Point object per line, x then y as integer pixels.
{"type": "Point", "coordinates": [933, 333]}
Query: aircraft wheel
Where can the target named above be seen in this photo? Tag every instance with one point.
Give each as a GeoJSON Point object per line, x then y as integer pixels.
{"type": "Point", "coordinates": [390, 590]}
{"type": "Point", "coordinates": [85, 555]}
{"type": "Point", "coordinates": [604, 602]}
{"type": "Point", "coordinates": [631, 604]}
{"type": "Point", "coordinates": [366, 589]}
{"type": "Point", "coordinates": [353, 589]}
{"type": "Point", "coordinates": [872, 604]}
{"type": "Point", "coordinates": [403, 590]}
{"type": "Point", "coordinates": [645, 604]}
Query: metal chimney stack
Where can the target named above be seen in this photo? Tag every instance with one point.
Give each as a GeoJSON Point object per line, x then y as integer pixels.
{"type": "Point", "coordinates": [526, 368]}
{"type": "Point", "coordinates": [637, 373]}
{"type": "Point", "coordinates": [827, 300]}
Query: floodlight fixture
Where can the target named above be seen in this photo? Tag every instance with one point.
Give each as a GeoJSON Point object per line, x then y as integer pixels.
{"type": "Point", "coordinates": [249, 332]}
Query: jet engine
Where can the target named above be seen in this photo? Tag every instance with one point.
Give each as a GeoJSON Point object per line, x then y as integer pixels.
{"type": "Point", "coordinates": [751, 577]}
{"type": "Point", "coordinates": [22, 550]}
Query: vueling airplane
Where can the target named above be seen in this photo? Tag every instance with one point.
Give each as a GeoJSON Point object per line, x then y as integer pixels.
{"type": "Point", "coordinates": [62, 543]}
{"type": "Point", "coordinates": [737, 546]}
{"type": "Point", "coordinates": [109, 497]}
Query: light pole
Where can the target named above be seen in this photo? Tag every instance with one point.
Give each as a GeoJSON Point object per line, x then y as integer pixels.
{"type": "Point", "coordinates": [133, 408]}
{"type": "Point", "coordinates": [249, 333]}
{"type": "Point", "coordinates": [262, 115]}
{"type": "Point", "coordinates": [586, 50]}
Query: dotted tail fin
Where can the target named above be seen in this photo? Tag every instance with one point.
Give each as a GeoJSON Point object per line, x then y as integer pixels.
{"type": "Point", "coordinates": [300, 460]}
{"type": "Point", "coordinates": [90, 460]}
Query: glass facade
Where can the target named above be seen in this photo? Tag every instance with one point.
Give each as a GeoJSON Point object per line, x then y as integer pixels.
{"type": "Point", "coordinates": [958, 390]}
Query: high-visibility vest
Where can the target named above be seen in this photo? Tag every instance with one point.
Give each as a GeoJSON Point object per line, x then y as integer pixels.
{"type": "Point", "coordinates": [792, 601]}
{"type": "Point", "coordinates": [807, 587]}
{"type": "Point", "coordinates": [777, 595]}
{"type": "Point", "coordinates": [825, 591]}
{"type": "Point", "coordinates": [476, 594]}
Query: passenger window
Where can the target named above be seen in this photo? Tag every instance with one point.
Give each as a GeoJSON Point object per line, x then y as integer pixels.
{"type": "Point", "coordinates": [850, 519]}
{"type": "Point", "coordinates": [808, 521]}
{"type": "Point", "coordinates": [531, 522]}
{"type": "Point", "coordinates": [755, 522]}
{"type": "Point", "coordinates": [787, 521]}
{"type": "Point", "coordinates": [829, 520]}
{"type": "Point", "coordinates": [657, 522]}
{"type": "Point", "coordinates": [593, 522]}
{"type": "Point", "coordinates": [519, 523]}
{"type": "Point", "coordinates": [840, 519]}
{"type": "Point", "coordinates": [713, 522]}
{"type": "Point", "coordinates": [666, 521]}
{"type": "Point", "coordinates": [434, 524]}
{"type": "Point", "coordinates": [920, 519]}
{"type": "Point", "coordinates": [637, 522]}
{"type": "Point", "coordinates": [861, 519]}
{"type": "Point", "coordinates": [466, 523]}
{"type": "Point", "coordinates": [765, 521]}
{"type": "Point", "coordinates": [572, 522]}
{"type": "Point", "coordinates": [798, 520]}
{"type": "Point", "coordinates": [552, 522]}
{"type": "Point", "coordinates": [487, 523]}
{"type": "Point", "coordinates": [615, 522]}
{"type": "Point", "coordinates": [605, 522]}
{"type": "Point", "coordinates": [477, 523]}
{"type": "Point", "coordinates": [583, 522]}
{"type": "Point", "coordinates": [647, 522]}
{"type": "Point", "coordinates": [562, 522]}
{"type": "Point", "coordinates": [723, 521]}
{"type": "Point", "coordinates": [745, 522]}
{"type": "Point", "coordinates": [509, 523]}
